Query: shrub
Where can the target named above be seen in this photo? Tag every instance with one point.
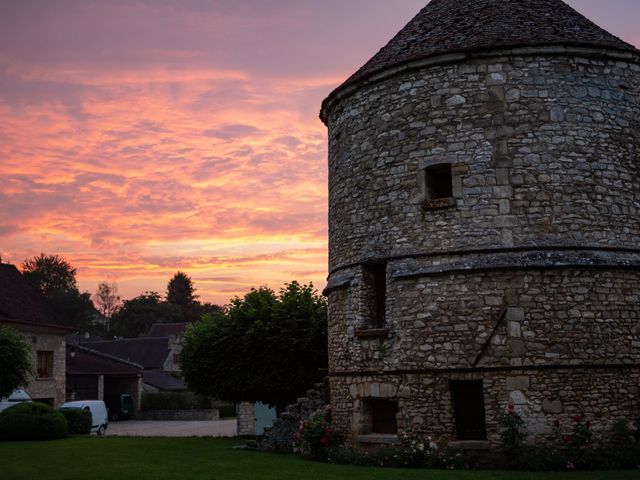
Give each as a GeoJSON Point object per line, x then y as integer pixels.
{"type": "Point", "coordinates": [227, 410]}
{"type": "Point", "coordinates": [175, 401]}
{"type": "Point", "coordinates": [78, 420]}
{"type": "Point", "coordinates": [32, 421]}
{"type": "Point", "coordinates": [512, 434]}
{"type": "Point", "coordinates": [578, 445]}
{"type": "Point", "coordinates": [317, 438]}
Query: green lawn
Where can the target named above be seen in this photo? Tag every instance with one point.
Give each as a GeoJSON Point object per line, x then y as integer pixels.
{"type": "Point", "coordinates": [115, 458]}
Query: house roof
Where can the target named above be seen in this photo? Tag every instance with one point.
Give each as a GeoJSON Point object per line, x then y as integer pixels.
{"type": "Point", "coordinates": [163, 381]}
{"type": "Point", "coordinates": [21, 303]}
{"type": "Point", "coordinates": [455, 26]}
{"type": "Point", "coordinates": [167, 329]}
{"type": "Point", "coordinates": [86, 361]}
{"type": "Point", "coordinates": [151, 353]}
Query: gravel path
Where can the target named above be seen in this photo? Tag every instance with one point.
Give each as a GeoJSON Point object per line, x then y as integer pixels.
{"type": "Point", "coordinates": [209, 428]}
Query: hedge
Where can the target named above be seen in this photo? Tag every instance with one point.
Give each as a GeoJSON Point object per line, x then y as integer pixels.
{"type": "Point", "coordinates": [175, 401]}
{"type": "Point", "coordinates": [32, 421]}
{"type": "Point", "coordinates": [78, 420]}
{"type": "Point", "coordinates": [227, 410]}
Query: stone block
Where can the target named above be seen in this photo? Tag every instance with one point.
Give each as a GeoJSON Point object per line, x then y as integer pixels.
{"type": "Point", "coordinates": [517, 383]}
{"type": "Point", "coordinates": [517, 398]}
{"type": "Point", "coordinates": [552, 406]}
{"type": "Point", "coordinates": [517, 348]}
{"type": "Point", "coordinates": [515, 314]}
{"type": "Point", "coordinates": [375, 390]}
{"type": "Point", "coordinates": [515, 330]}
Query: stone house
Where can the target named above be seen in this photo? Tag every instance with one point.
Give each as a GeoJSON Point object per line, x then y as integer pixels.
{"type": "Point", "coordinates": [484, 223]}
{"type": "Point", "coordinates": [26, 310]}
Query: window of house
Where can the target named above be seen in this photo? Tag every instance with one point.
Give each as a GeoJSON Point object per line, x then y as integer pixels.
{"type": "Point", "coordinates": [384, 416]}
{"type": "Point", "coordinates": [45, 364]}
{"type": "Point", "coordinates": [380, 417]}
{"type": "Point", "coordinates": [468, 405]}
{"type": "Point", "coordinates": [376, 281]}
{"type": "Point", "coordinates": [438, 182]}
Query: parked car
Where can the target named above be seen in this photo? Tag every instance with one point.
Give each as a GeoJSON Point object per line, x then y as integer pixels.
{"type": "Point", "coordinates": [17, 396]}
{"type": "Point", "coordinates": [120, 406]}
{"type": "Point", "coordinates": [99, 419]}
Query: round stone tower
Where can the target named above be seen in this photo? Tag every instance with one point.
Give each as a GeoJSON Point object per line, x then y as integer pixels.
{"type": "Point", "coordinates": [484, 219]}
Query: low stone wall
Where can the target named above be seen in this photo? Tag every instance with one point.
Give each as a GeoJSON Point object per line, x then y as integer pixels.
{"type": "Point", "coordinates": [179, 415]}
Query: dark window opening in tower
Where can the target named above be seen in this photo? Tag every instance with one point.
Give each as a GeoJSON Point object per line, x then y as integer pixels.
{"type": "Point", "coordinates": [438, 182]}
{"type": "Point", "coordinates": [384, 415]}
{"type": "Point", "coordinates": [468, 407]}
{"type": "Point", "coordinates": [376, 281]}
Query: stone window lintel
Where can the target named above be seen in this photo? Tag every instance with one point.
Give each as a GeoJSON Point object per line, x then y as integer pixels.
{"type": "Point", "coordinates": [378, 439]}
{"type": "Point", "coordinates": [371, 333]}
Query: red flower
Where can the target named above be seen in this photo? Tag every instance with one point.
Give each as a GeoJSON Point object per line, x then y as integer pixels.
{"type": "Point", "coordinates": [578, 418]}
{"type": "Point", "coordinates": [324, 440]}
{"type": "Point", "coordinates": [329, 430]}
{"type": "Point", "coordinates": [556, 423]}
{"type": "Point", "coordinates": [301, 428]}
{"type": "Point", "coordinates": [510, 407]}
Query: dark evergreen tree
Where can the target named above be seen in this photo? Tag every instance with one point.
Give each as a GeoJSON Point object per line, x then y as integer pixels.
{"type": "Point", "coordinates": [180, 290]}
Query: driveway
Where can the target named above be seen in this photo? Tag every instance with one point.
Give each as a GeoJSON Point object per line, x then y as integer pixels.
{"type": "Point", "coordinates": [208, 428]}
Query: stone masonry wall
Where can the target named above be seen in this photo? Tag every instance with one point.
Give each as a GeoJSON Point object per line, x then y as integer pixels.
{"type": "Point", "coordinates": [540, 396]}
{"type": "Point", "coordinates": [554, 317]}
{"type": "Point", "coordinates": [47, 388]}
{"type": "Point", "coordinates": [527, 278]}
{"type": "Point", "coordinates": [246, 418]}
{"type": "Point", "coordinates": [544, 149]}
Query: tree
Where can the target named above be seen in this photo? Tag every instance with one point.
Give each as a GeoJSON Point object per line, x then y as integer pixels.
{"type": "Point", "coordinates": [265, 348]}
{"type": "Point", "coordinates": [180, 290]}
{"type": "Point", "coordinates": [56, 279]}
{"type": "Point", "coordinates": [135, 316]}
{"type": "Point", "coordinates": [49, 274]}
{"type": "Point", "coordinates": [107, 301]}
{"type": "Point", "coordinates": [15, 361]}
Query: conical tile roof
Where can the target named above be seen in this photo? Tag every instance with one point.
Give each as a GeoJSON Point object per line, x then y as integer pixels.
{"type": "Point", "coordinates": [453, 26]}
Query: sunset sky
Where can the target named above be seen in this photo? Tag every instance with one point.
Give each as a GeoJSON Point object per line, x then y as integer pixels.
{"type": "Point", "coordinates": [139, 138]}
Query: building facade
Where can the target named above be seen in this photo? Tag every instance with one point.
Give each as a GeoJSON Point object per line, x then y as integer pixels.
{"type": "Point", "coordinates": [28, 312]}
{"type": "Point", "coordinates": [484, 189]}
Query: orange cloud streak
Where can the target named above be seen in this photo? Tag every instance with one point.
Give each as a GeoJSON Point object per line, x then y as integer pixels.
{"type": "Point", "coordinates": [134, 176]}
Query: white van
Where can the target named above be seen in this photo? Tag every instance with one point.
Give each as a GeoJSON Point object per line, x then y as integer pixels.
{"type": "Point", "coordinates": [98, 409]}
{"type": "Point", "coordinates": [17, 396]}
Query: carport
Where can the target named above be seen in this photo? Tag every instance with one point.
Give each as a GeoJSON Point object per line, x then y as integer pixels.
{"type": "Point", "coordinates": [93, 375]}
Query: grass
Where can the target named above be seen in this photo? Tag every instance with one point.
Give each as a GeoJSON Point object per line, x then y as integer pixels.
{"type": "Point", "coordinates": [118, 458]}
